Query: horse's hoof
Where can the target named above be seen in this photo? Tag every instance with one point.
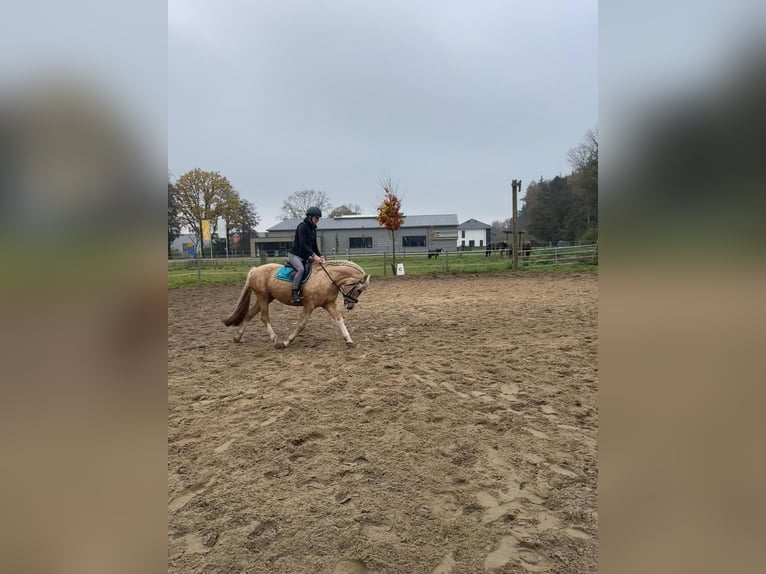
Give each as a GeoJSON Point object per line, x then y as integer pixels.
{"type": "Point", "coordinates": [280, 345]}
{"type": "Point", "coordinates": [237, 339]}
{"type": "Point", "coordinates": [350, 344]}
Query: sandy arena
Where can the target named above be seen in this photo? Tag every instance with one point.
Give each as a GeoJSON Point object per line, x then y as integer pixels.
{"type": "Point", "coordinates": [458, 436]}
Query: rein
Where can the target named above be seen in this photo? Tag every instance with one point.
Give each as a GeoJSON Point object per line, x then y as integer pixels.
{"type": "Point", "coordinates": [346, 296]}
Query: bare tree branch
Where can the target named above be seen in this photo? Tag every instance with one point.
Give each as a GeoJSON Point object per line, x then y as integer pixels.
{"type": "Point", "coordinates": [295, 206]}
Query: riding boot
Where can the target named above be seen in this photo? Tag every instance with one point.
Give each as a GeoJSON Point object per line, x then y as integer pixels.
{"type": "Point", "coordinates": [296, 296]}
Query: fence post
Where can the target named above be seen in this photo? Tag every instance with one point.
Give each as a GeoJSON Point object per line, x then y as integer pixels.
{"type": "Point", "coordinates": [384, 264]}
{"type": "Point", "coordinates": [199, 270]}
{"type": "Point", "coordinates": [556, 255]}
{"type": "Point", "coordinates": [446, 260]}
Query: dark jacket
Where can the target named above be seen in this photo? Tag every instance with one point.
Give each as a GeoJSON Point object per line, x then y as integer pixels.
{"type": "Point", "coordinates": [305, 243]}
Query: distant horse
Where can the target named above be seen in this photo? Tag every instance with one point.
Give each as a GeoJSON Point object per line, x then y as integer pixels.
{"type": "Point", "coordinates": [320, 290]}
{"type": "Point", "coordinates": [434, 253]}
{"type": "Point", "coordinates": [526, 249]}
{"type": "Point", "coordinates": [500, 246]}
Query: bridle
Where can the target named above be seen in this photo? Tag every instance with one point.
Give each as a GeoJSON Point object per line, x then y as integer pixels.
{"type": "Point", "coordinates": [347, 297]}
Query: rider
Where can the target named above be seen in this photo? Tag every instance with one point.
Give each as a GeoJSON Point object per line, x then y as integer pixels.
{"type": "Point", "coordinates": [304, 248]}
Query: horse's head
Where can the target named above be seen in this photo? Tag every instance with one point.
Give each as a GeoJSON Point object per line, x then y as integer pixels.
{"type": "Point", "coordinates": [351, 296]}
{"type": "Point", "coordinates": [348, 278]}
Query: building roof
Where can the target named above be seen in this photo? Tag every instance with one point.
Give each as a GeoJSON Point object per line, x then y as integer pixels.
{"type": "Point", "coordinates": [370, 222]}
{"type": "Point", "coordinates": [474, 224]}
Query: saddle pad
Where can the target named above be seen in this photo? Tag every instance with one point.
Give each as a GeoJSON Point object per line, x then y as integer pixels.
{"type": "Point", "coordinates": [286, 273]}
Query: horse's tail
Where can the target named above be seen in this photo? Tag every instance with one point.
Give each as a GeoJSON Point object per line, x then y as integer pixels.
{"type": "Point", "coordinates": [243, 305]}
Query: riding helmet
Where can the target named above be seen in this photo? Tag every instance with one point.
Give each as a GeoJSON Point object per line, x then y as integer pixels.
{"type": "Point", "coordinates": [314, 212]}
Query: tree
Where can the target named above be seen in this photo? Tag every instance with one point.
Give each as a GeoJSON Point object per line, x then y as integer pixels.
{"type": "Point", "coordinates": [246, 221]}
{"type": "Point", "coordinates": [174, 227]}
{"type": "Point", "coordinates": [390, 214]}
{"type": "Point", "coordinates": [566, 208]}
{"type": "Point", "coordinates": [295, 206]}
{"type": "Point", "coordinates": [230, 206]}
{"type": "Point", "coordinates": [584, 152]}
{"type": "Point", "coordinates": [204, 195]}
{"type": "Point", "coordinates": [548, 208]}
{"type": "Point", "coordinates": [229, 212]}
{"type": "Point", "coordinates": [497, 231]}
{"type": "Point", "coordinates": [584, 179]}
{"type": "Point", "coordinates": [346, 209]}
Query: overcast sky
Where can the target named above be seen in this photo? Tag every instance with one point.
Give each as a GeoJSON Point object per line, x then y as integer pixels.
{"type": "Point", "coordinates": [453, 99]}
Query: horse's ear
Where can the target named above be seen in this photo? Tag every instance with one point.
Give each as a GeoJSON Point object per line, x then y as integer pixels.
{"type": "Point", "coordinates": [366, 279]}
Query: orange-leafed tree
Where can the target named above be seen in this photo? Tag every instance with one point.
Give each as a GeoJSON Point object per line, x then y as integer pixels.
{"type": "Point", "coordinates": [390, 214]}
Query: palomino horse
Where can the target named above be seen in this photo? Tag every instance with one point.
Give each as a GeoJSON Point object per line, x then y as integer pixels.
{"type": "Point", "coordinates": [320, 290]}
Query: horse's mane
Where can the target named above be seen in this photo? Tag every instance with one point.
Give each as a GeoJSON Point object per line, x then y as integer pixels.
{"type": "Point", "coordinates": [344, 263]}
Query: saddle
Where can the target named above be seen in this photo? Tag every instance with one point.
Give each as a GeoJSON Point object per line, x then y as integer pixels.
{"type": "Point", "coordinates": [287, 272]}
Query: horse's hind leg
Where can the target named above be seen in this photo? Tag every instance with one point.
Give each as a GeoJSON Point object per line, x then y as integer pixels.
{"type": "Point", "coordinates": [264, 305]}
{"type": "Point", "coordinates": [332, 309]}
{"type": "Point", "coordinates": [250, 314]}
{"type": "Point", "coordinates": [301, 325]}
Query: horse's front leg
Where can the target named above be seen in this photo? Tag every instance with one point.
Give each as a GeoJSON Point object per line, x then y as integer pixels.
{"type": "Point", "coordinates": [335, 313]}
{"type": "Point", "coordinates": [301, 325]}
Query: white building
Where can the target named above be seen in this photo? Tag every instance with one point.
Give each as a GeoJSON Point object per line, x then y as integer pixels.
{"type": "Point", "coordinates": [473, 234]}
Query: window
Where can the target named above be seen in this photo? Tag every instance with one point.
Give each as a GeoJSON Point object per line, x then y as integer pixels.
{"type": "Point", "coordinates": [414, 241]}
{"type": "Point", "coordinates": [471, 243]}
{"type": "Point", "coordinates": [463, 243]}
{"type": "Point", "coordinates": [360, 242]}
{"type": "Point", "coordinates": [462, 234]}
{"type": "Point", "coordinates": [481, 243]}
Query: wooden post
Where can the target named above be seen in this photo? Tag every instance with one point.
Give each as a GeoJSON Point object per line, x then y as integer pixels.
{"type": "Point", "coordinates": [515, 185]}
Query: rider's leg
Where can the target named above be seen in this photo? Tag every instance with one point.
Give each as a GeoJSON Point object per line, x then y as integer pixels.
{"type": "Point", "coordinates": [296, 262]}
